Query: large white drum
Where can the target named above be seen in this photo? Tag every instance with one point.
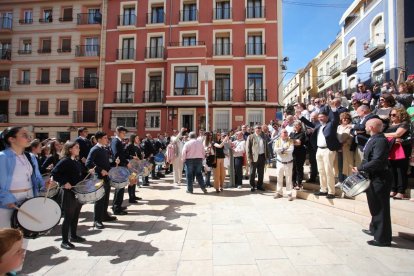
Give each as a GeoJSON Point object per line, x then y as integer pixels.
{"type": "Point", "coordinates": [355, 184]}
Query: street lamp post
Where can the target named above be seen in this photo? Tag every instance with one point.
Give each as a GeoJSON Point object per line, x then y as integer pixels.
{"type": "Point", "coordinates": [206, 95]}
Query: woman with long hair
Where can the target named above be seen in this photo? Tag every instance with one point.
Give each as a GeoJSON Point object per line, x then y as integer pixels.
{"type": "Point", "coordinates": [298, 136]}
{"type": "Point", "coordinates": [386, 103]}
{"type": "Point", "coordinates": [219, 172]}
{"type": "Point", "coordinates": [207, 143]}
{"type": "Point", "coordinates": [51, 161]}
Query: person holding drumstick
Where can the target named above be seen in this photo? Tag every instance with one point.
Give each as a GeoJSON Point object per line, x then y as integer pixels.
{"type": "Point", "coordinates": [19, 179]}
{"type": "Point", "coordinates": [68, 172]}
{"type": "Point", "coordinates": [134, 151]}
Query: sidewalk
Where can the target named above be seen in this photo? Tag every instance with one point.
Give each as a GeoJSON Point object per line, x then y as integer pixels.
{"type": "Point", "coordinates": [232, 233]}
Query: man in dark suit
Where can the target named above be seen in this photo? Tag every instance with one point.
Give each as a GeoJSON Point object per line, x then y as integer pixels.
{"type": "Point", "coordinates": [119, 152]}
{"type": "Point", "coordinates": [149, 151]}
{"type": "Point", "coordinates": [310, 128]}
{"type": "Point", "coordinates": [98, 158]}
{"type": "Point", "coordinates": [84, 144]}
{"type": "Point", "coordinates": [375, 164]}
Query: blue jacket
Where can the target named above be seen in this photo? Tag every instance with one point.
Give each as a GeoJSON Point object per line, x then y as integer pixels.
{"type": "Point", "coordinates": [7, 164]}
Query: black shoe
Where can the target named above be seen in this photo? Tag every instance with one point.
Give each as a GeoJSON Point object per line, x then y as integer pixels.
{"type": "Point", "coordinates": [204, 190]}
{"type": "Point", "coordinates": [377, 243]}
{"type": "Point", "coordinates": [253, 189]}
{"type": "Point", "coordinates": [98, 225]}
{"type": "Point", "coordinates": [189, 192]}
{"type": "Point", "coordinates": [137, 198]}
{"type": "Point", "coordinates": [109, 218]}
{"type": "Point", "coordinates": [77, 239]}
{"type": "Point", "coordinates": [155, 177]}
{"type": "Point", "coordinates": [67, 245]}
{"type": "Point", "coordinates": [132, 201]}
{"type": "Point", "coordinates": [120, 213]}
{"type": "Point", "coordinates": [261, 188]}
{"type": "Point", "coordinates": [145, 184]}
{"type": "Point", "coordinates": [319, 193]}
{"type": "Point", "coordinates": [330, 196]}
{"type": "Point", "coordinates": [366, 231]}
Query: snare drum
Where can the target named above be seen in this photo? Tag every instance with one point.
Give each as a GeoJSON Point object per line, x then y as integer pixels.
{"type": "Point", "coordinates": [89, 190]}
{"type": "Point", "coordinates": [159, 158]}
{"type": "Point", "coordinates": [36, 217]}
{"type": "Point", "coordinates": [53, 187]}
{"type": "Point", "coordinates": [119, 177]}
{"type": "Point", "coordinates": [136, 166]}
{"type": "Point", "coordinates": [355, 184]}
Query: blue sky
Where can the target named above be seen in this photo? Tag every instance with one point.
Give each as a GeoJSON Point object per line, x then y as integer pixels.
{"type": "Point", "coordinates": [309, 30]}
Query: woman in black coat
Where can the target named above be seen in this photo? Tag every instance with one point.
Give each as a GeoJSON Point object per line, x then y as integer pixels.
{"type": "Point", "coordinates": [299, 154]}
{"type": "Point", "coordinates": [134, 151]}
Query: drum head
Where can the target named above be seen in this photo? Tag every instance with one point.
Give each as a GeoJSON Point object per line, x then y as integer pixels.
{"type": "Point", "coordinates": [137, 166]}
{"type": "Point", "coordinates": [45, 211]}
{"type": "Point", "coordinates": [119, 174]}
{"type": "Point", "coordinates": [159, 158]}
{"type": "Point", "coordinates": [88, 186]}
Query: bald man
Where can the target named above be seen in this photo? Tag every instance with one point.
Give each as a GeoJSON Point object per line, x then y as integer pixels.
{"type": "Point", "coordinates": [375, 165]}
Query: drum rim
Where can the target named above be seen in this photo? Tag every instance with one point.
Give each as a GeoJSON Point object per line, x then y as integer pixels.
{"type": "Point", "coordinates": [76, 192]}
{"type": "Point", "coordinates": [89, 201]}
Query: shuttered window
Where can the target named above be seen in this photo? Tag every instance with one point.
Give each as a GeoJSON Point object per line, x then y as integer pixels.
{"type": "Point", "coordinates": [222, 120]}
{"type": "Point", "coordinates": [254, 117]}
{"type": "Point", "coordinates": [153, 119]}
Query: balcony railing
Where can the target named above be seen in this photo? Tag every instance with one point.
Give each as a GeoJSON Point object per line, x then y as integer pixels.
{"type": "Point", "coordinates": [255, 49]}
{"type": "Point", "coordinates": [320, 81]}
{"type": "Point", "coordinates": [375, 45]}
{"type": "Point", "coordinates": [84, 116]}
{"type": "Point", "coordinates": [6, 23]}
{"type": "Point", "coordinates": [154, 52]}
{"type": "Point", "coordinates": [24, 52]}
{"type": "Point", "coordinates": [124, 97]}
{"type": "Point", "coordinates": [22, 113]}
{"type": "Point", "coordinates": [223, 49]}
{"type": "Point", "coordinates": [334, 69]}
{"type": "Point", "coordinates": [64, 50]}
{"type": "Point", "coordinates": [223, 95]}
{"type": "Point", "coordinates": [43, 81]}
{"type": "Point", "coordinates": [255, 12]}
{"type": "Point", "coordinates": [65, 19]}
{"type": "Point", "coordinates": [44, 51]}
{"type": "Point", "coordinates": [48, 19]}
{"type": "Point", "coordinates": [89, 18]}
{"type": "Point", "coordinates": [42, 113]}
{"type": "Point", "coordinates": [23, 82]}
{"type": "Point", "coordinates": [5, 54]}
{"type": "Point", "coordinates": [256, 95]}
{"type": "Point", "coordinates": [126, 53]}
{"type": "Point", "coordinates": [62, 81]}
{"type": "Point", "coordinates": [185, 91]}
{"type": "Point", "coordinates": [153, 96]}
{"type": "Point", "coordinates": [91, 82]}
{"type": "Point", "coordinates": [4, 84]}
{"type": "Point", "coordinates": [349, 63]}
{"type": "Point", "coordinates": [87, 51]}
{"type": "Point", "coordinates": [187, 44]}
{"type": "Point", "coordinates": [62, 113]}
{"type": "Point", "coordinates": [4, 118]}
{"type": "Point", "coordinates": [155, 18]}
{"type": "Point", "coordinates": [26, 21]}
{"type": "Point", "coordinates": [188, 15]}
{"type": "Point", "coordinates": [222, 13]}
{"type": "Point", "coordinates": [127, 20]}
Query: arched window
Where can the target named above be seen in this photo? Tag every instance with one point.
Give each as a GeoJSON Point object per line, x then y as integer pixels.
{"type": "Point", "coordinates": [352, 48]}
{"type": "Point", "coordinates": [377, 31]}
{"type": "Point", "coordinates": [378, 72]}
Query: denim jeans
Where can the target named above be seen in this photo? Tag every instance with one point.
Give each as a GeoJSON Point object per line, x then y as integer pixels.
{"type": "Point", "coordinates": [207, 178]}
{"type": "Point", "coordinates": [193, 168]}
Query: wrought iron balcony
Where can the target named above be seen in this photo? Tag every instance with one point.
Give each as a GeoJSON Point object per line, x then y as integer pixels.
{"type": "Point", "coordinates": [90, 82]}
{"type": "Point", "coordinates": [255, 12]}
{"type": "Point", "coordinates": [255, 49]}
{"type": "Point", "coordinates": [26, 21]}
{"type": "Point", "coordinates": [223, 95]}
{"type": "Point", "coordinates": [222, 13]}
{"type": "Point", "coordinates": [334, 69]}
{"type": "Point", "coordinates": [5, 54]}
{"type": "Point", "coordinates": [23, 82]}
{"type": "Point", "coordinates": [65, 19]}
{"type": "Point", "coordinates": [87, 51]}
{"type": "Point", "coordinates": [153, 96]}
{"type": "Point", "coordinates": [42, 113]}
{"type": "Point", "coordinates": [124, 97]}
{"type": "Point", "coordinates": [126, 53]}
{"type": "Point", "coordinates": [84, 116]}
{"type": "Point", "coordinates": [45, 81]}
{"type": "Point", "coordinates": [62, 81]}
{"type": "Point", "coordinates": [187, 44]}
{"type": "Point", "coordinates": [64, 50]}
{"type": "Point", "coordinates": [321, 81]}
{"type": "Point", "coordinates": [24, 52]}
{"type": "Point", "coordinates": [155, 18]}
{"type": "Point", "coordinates": [22, 113]}
{"type": "Point", "coordinates": [256, 95]}
{"type": "Point", "coordinates": [48, 19]}
{"type": "Point", "coordinates": [127, 20]}
{"type": "Point", "coordinates": [89, 18]}
{"type": "Point", "coordinates": [62, 113]}
{"type": "Point", "coordinates": [223, 49]}
{"type": "Point", "coordinates": [375, 45]}
{"type": "Point", "coordinates": [44, 51]}
{"type": "Point", "coordinates": [4, 84]}
{"type": "Point", "coordinates": [188, 15]}
{"type": "Point", "coordinates": [154, 52]}
{"type": "Point", "coordinates": [349, 63]}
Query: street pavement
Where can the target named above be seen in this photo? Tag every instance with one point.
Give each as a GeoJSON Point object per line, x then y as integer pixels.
{"type": "Point", "coordinates": [235, 232]}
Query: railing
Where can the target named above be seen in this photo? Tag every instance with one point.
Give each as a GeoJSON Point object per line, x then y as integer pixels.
{"type": "Point", "coordinates": [5, 54]}
{"type": "Point", "coordinates": [154, 52]}
{"type": "Point", "coordinates": [64, 50]}
{"type": "Point", "coordinates": [42, 81]}
{"type": "Point", "coordinates": [42, 113]}
{"type": "Point", "coordinates": [223, 49]}
{"type": "Point", "coordinates": [87, 51]}
{"type": "Point", "coordinates": [6, 23]}
{"type": "Point", "coordinates": [23, 82]}
{"type": "Point", "coordinates": [4, 118]}
{"type": "Point", "coordinates": [124, 97]}
{"type": "Point", "coordinates": [26, 21]}
{"type": "Point", "coordinates": [187, 15]}
{"type": "Point", "coordinates": [65, 19]}
{"type": "Point", "coordinates": [126, 53]}
{"type": "Point", "coordinates": [153, 96]}
{"type": "Point", "coordinates": [62, 113]}
{"type": "Point", "coordinates": [320, 80]}
{"type": "Point", "coordinates": [223, 95]}
{"type": "Point", "coordinates": [222, 13]}
{"type": "Point", "coordinates": [155, 18]}
{"type": "Point", "coordinates": [350, 61]}
{"type": "Point", "coordinates": [185, 91]}
{"type": "Point", "coordinates": [91, 82]}
{"type": "Point", "coordinates": [61, 81]}
{"type": "Point", "coordinates": [334, 69]}
{"type": "Point", "coordinates": [255, 49]}
{"type": "Point", "coordinates": [24, 52]}
{"type": "Point", "coordinates": [375, 44]}
{"type": "Point", "coordinates": [127, 20]}
{"type": "Point", "coordinates": [84, 116]}
{"type": "Point", "coordinates": [22, 113]}
{"type": "Point", "coordinates": [255, 12]}
{"type": "Point", "coordinates": [256, 95]}
{"type": "Point", "coordinates": [89, 18]}
{"type": "Point", "coordinates": [44, 51]}
{"type": "Point", "coordinates": [4, 84]}
{"type": "Point", "coordinates": [48, 19]}
{"type": "Point", "coordinates": [187, 44]}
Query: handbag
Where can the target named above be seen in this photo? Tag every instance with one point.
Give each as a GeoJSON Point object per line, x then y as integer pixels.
{"type": "Point", "coordinates": [396, 151]}
{"type": "Point", "coordinates": [211, 161]}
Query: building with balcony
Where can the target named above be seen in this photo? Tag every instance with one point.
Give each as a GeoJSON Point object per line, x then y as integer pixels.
{"type": "Point", "coordinates": [49, 66]}
{"type": "Point", "coordinates": [329, 69]}
{"type": "Point", "coordinates": [377, 39]}
{"type": "Point", "coordinates": [291, 91]}
{"type": "Point", "coordinates": [308, 81]}
{"type": "Point", "coordinates": [163, 63]}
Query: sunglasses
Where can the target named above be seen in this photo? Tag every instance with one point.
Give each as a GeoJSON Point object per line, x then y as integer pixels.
{"type": "Point", "coordinates": [381, 100]}
{"type": "Point", "coordinates": [393, 115]}
{"type": "Point", "coordinates": [360, 86]}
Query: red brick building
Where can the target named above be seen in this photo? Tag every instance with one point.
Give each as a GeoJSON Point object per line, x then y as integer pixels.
{"type": "Point", "coordinates": [158, 53]}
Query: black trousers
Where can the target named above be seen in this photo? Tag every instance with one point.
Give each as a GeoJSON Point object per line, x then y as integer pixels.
{"type": "Point", "coordinates": [299, 157]}
{"type": "Point", "coordinates": [259, 167]}
{"type": "Point", "coordinates": [71, 209]}
{"type": "Point", "coordinates": [131, 191]}
{"type": "Point", "coordinates": [101, 206]}
{"type": "Point", "coordinates": [118, 199]}
{"type": "Point", "coordinates": [238, 171]}
{"type": "Point", "coordinates": [378, 196]}
{"type": "Point", "coordinates": [399, 170]}
{"type": "Point", "coordinates": [313, 164]}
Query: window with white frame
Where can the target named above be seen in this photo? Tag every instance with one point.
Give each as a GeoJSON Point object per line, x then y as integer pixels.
{"type": "Point", "coordinates": [254, 117]}
{"type": "Point", "coordinates": [377, 31]}
{"type": "Point", "coordinates": [352, 49]}
{"type": "Point", "coordinates": [378, 72]}
{"type": "Point", "coordinates": [222, 120]}
{"type": "Point", "coordinates": [153, 119]}
{"type": "Point", "coordinates": [127, 119]}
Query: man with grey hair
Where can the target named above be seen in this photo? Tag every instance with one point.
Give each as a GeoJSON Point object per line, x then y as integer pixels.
{"type": "Point", "coordinates": [192, 156]}
{"type": "Point", "coordinates": [257, 154]}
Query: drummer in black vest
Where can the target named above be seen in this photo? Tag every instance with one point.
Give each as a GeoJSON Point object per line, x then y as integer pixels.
{"type": "Point", "coordinates": [68, 172]}
{"type": "Point", "coordinates": [98, 158]}
{"type": "Point", "coordinates": [375, 164]}
{"type": "Point", "coordinates": [119, 152]}
{"type": "Point", "coordinates": [85, 144]}
{"type": "Point", "coordinates": [134, 151]}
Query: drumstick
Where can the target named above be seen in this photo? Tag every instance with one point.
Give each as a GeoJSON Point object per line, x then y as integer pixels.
{"type": "Point", "coordinates": [88, 175]}
{"type": "Point", "coordinates": [27, 214]}
{"type": "Point", "coordinates": [48, 188]}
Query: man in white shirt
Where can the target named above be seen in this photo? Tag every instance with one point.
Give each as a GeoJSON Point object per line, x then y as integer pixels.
{"type": "Point", "coordinates": [239, 148]}
{"type": "Point", "coordinates": [257, 154]}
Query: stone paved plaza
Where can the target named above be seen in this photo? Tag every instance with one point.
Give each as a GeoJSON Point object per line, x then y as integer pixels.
{"type": "Point", "coordinates": [231, 233]}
